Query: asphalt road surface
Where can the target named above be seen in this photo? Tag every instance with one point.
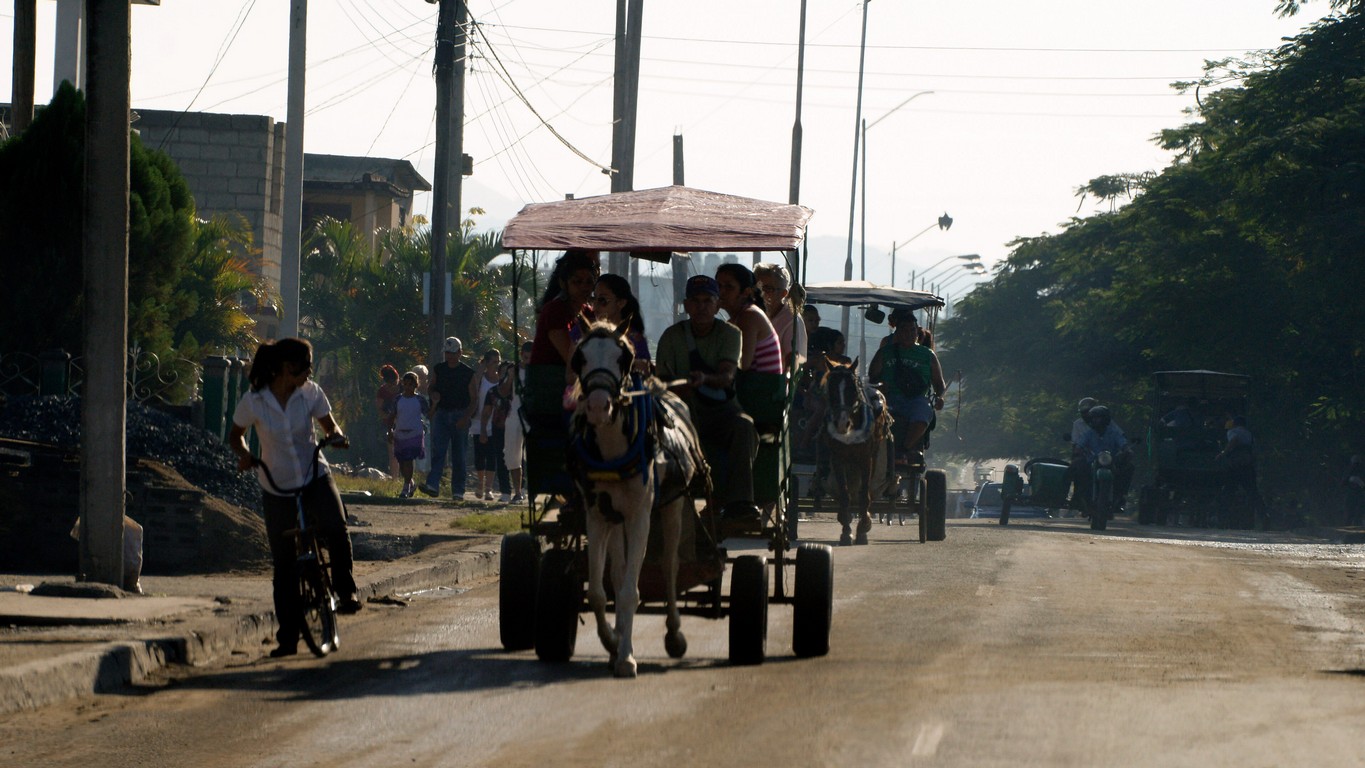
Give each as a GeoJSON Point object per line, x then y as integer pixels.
{"type": "Point", "coordinates": [1034, 644]}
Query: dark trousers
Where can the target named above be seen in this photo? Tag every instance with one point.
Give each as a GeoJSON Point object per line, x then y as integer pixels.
{"type": "Point", "coordinates": [322, 502]}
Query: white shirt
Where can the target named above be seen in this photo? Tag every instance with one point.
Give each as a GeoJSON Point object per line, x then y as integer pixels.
{"type": "Point", "coordinates": [286, 435]}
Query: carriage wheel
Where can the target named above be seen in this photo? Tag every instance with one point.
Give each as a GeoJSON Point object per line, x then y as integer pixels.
{"type": "Point", "coordinates": [559, 596]}
{"type": "Point", "coordinates": [518, 566]}
{"type": "Point", "coordinates": [814, 601]}
{"type": "Point", "coordinates": [748, 609]}
{"type": "Point", "coordinates": [936, 504]}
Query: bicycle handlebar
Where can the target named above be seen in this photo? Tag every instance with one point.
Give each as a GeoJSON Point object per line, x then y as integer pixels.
{"type": "Point", "coordinates": [337, 440]}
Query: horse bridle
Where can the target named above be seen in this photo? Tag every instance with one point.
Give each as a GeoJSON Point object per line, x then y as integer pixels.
{"type": "Point", "coordinates": [859, 402]}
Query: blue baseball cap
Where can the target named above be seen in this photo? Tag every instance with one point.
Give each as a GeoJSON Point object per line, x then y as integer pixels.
{"type": "Point", "coordinates": [699, 284]}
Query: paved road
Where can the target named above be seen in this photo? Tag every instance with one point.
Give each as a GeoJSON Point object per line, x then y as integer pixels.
{"type": "Point", "coordinates": [1038, 644]}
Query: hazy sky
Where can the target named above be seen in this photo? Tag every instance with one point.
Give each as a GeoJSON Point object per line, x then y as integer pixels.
{"type": "Point", "coordinates": [1030, 100]}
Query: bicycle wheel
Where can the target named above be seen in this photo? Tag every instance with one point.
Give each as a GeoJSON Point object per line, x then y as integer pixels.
{"type": "Point", "coordinates": [318, 607]}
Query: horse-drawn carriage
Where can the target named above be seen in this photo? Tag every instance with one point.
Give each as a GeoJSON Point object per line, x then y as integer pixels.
{"type": "Point", "coordinates": [592, 501]}
{"type": "Point", "coordinates": [858, 449]}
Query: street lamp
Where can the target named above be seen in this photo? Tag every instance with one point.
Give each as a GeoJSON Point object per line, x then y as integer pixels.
{"type": "Point", "coordinates": [944, 222]}
{"type": "Point", "coordinates": [969, 261]}
{"type": "Point", "coordinates": [976, 273]}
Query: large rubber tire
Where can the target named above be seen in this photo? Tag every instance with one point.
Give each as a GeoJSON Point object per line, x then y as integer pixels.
{"type": "Point", "coordinates": [518, 569]}
{"type": "Point", "coordinates": [559, 597]}
{"type": "Point", "coordinates": [748, 609]}
{"type": "Point", "coordinates": [813, 604]}
{"type": "Point", "coordinates": [318, 623]}
{"type": "Point", "coordinates": [936, 504]}
{"type": "Point", "coordinates": [1148, 505]}
{"type": "Point", "coordinates": [1104, 503]}
{"type": "Point", "coordinates": [919, 502]}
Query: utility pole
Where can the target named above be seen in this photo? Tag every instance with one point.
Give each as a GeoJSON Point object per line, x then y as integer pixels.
{"type": "Point", "coordinates": [857, 134]}
{"type": "Point", "coordinates": [445, 197]}
{"type": "Point", "coordinates": [626, 86]}
{"type": "Point", "coordinates": [794, 191]}
{"type": "Point", "coordinates": [105, 246]}
{"type": "Point", "coordinates": [25, 58]}
{"type": "Point", "coordinates": [290, 258]}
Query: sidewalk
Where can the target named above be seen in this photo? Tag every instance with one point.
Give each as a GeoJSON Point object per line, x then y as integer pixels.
{"type": "Point", "coordinates": [56, 648]}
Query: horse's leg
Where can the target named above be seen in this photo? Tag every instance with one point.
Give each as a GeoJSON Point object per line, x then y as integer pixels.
{"type": "Point", "coordinates": [599, 532]}
{"type": "Point", "coordinates": [839, 465]}
{"type": "Point", "coordinates": [670, 517]}
{"type": "Point", "coordinates": [864, 493]}
{"type": "Point", "coordinates": [636, 530]}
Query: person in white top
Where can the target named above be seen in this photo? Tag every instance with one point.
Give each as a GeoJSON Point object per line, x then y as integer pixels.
{"type": "Point", "coordinates": [485, 453]}
{"type": "Point", "coordinates": [407, 431]}
{"type": "Point", "coordinates": [514, 436]}
{"type": "Point", "coordinates": [282, 405]}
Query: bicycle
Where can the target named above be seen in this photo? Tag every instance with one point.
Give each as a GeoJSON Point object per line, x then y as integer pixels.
{"type": "Point", "coordinates": [317, 600]}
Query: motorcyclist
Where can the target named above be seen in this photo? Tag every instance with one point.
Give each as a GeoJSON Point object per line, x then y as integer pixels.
{"type": "Point", "coordinates": [1101, 435]}
{"type": "Point", "coordinates": [1078, 429]}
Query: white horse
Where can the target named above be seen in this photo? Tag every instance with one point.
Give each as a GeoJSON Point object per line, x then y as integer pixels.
{"type": "Point", "coordinates": [632, 451]}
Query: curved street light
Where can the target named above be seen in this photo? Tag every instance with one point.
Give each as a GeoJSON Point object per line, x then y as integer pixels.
{"type": "Point", "coordinates": [943, 286]}
{"type": "Point", "coordinates": [970, 261]}
{"type": "Point", "coordinates": [944, 223]}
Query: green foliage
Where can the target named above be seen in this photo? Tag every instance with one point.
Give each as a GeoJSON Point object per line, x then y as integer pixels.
{"type": "Point", "coordinates": [175, 298]}
{"type": "Point", "coordinates": [1243, 256]}
{"type": "Point", "coordinates": [362, 308]}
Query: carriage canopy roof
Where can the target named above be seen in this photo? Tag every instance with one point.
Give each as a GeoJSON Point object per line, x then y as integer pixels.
{"type": "Point", "coordinates": [653, 223]}
{"type": "Point", "coordinates": [854, 293]}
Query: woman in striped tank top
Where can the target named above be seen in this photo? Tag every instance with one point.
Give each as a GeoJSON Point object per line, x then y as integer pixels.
{"type": "Point", "coordinates": [761, 351]}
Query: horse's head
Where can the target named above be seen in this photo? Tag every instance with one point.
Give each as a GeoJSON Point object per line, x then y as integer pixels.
{"type": "Point", "coordinates": [602, 362]}
{"type": "Point", "coordinates": [843, 395]}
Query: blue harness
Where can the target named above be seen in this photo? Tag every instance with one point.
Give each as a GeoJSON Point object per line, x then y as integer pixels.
{"type": "Point", "coordinates": [631, 463]}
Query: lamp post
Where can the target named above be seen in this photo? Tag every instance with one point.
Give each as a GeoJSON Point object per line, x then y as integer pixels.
{"type": "Point", "coordinates": [944, 222]}
{"type": "Point", "coordinates": [976, 273]}
{"type": "Point", "coordinates": [862, 236]}
{"type": "Point", "coordinates": [969, 260]}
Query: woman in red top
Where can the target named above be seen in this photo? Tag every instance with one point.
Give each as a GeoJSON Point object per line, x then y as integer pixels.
{"type": "Point", "coordinates": [565, 298]}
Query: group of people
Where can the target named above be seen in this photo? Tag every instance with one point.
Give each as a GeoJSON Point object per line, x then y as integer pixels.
{"type": "Point", "coordinates": [703, 352]}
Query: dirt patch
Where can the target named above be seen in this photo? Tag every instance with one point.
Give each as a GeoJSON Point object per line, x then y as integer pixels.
{"type": "Point", "coordinates": [231, 538]}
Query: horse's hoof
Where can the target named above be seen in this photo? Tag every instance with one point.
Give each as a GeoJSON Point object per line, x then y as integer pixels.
{"type": "Point", "coordinates": [862, 538]}
{"type": "Point", "coordinates": [845, 540]}
{"type": "Point", "coordinates": [625, 668]}
{"type": "Point", "coordinates": [676, 644]}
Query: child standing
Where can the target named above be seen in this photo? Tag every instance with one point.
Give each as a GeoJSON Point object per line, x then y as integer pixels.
{"type": "Point", "coordinates": [407, 434]}
{"type": "Point", "coordinates": [485, 460]}
{"type": "Point", "coordinates": [493, 423]}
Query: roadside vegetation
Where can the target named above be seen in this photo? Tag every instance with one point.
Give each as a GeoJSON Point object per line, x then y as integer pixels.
{"type": "Point", "coordinates": [1244, 255]}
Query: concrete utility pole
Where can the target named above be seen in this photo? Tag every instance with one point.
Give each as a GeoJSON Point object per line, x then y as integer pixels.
{"type": "Point", "coordinates": [105, 246]}
{"type": "Point", "coordinates": [446, 187]}
{"type": "Point", "coordinates": [290, 258]}
{"type": "Point", "coordinates": [857, 134]}
{"type": "Point", "coordinates": [794, 192]}
{"type": "Point", "coordinates": [626, 83]}
{"type": "Point", "coordinates": [25, 63]}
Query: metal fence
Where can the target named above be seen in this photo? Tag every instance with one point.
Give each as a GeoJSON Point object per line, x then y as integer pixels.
{"type": "Point", "coordinates": [198, 392]}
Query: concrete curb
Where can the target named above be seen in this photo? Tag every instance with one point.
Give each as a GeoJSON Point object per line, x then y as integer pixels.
{"type": "Point", "coordinates": [119, 664]}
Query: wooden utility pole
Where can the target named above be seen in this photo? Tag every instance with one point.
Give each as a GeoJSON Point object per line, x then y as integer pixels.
{"type": "Point", "coordinates": [290, 257]}
{"type": "Point", "coordinates": [794, 192]}
{"type": "Point", "coordinates": [25, 58]}
{"type": "Point", "coordinates": [446, 187]}
{"type": "Point", "coordinates": [105, 246]}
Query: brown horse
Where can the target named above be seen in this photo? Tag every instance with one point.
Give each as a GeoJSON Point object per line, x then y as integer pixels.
{"type": "Point", "coordinates": [857, 424]}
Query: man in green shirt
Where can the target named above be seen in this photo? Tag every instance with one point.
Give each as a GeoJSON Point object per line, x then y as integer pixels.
{"type": "Point", "coordinates": [706, 352]}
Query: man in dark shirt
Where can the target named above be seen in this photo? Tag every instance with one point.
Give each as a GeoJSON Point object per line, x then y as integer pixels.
{"type": "Point", "coordinates": [451, 409]}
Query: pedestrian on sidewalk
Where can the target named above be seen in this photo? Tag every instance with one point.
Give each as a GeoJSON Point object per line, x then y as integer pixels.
{"type": "Point", "coordinates": [452, 388]}
{"type": "Point", "coordinates": [383, 397]}
{"type": "Point", "coordinates": [407, 433]}
{"type": "Point", "coordinates": [514, 431]}
{"type": "Point", "coordinates": [496, 407]}
{"type": "Point", "coordinates": [282, 404]}
{"type": "Point", "coordinates": [485, 451]}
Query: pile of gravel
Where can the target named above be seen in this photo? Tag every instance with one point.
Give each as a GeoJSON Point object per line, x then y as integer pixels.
{"type": "Point", "coordinates": [196, 454]}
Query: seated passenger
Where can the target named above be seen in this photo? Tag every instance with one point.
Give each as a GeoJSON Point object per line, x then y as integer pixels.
{"type": "Point", "coordinates": [706, 351]}
{"type": "Point", "coordinates": [775, 286]}
{"type": "Point", "coordinates": [613, 301]}
{"type": "Point", "coordinates": [909, 373]}
{"type": "Point", "coordinates": [566, 296]}
{"type": "Point", "coordinates": [761, 351]}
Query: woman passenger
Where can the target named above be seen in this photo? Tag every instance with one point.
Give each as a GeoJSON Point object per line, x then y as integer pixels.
{"type": "Point", "coordinates": [761, 351]}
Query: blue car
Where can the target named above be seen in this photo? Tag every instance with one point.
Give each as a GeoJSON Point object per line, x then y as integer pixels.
{"type": "Point", "coordinates": [988, 501]}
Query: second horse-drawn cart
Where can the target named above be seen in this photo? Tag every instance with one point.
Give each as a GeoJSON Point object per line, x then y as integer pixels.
{"type": "Point", "coordinates": [544, 568]}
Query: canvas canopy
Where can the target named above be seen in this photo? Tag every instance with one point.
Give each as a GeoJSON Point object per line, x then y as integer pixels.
{"type": "Point", "coordinates": [855, 293]}
{"type": "Point", "coordinates": [653, 223]}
